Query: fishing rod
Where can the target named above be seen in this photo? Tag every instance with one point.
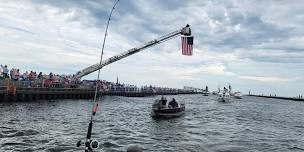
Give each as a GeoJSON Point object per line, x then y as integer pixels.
{"type": "Point", "coordinates": [89, 143]}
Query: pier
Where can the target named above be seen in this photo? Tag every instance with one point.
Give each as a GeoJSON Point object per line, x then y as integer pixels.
{"type": "Point", "coordinates": [30, 94]}
{"type": "Point", "coordinates": [278, 97]}
{"type": "Point", "coordinates": [12, 93]}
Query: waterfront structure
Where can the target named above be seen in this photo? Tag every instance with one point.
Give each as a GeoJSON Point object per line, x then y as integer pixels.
{"type": "Point", "coordinates": [193, 89]}
{"type": "Point", "coordinates": [37, 90]}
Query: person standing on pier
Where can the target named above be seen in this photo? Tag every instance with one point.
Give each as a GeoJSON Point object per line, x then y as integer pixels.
{"type": "Point", "coordinates": [12, 74]}
{"type": "Point", "coordinates": [1, 71]}
{"type": "Point", "coordinates": [51, 76]}
{"type": "Point", "coordinates": [5, 72]}
{"type": "Point", "coordinates": [17, 75]}
{"type": "Point", "coordinates": [39, 76]}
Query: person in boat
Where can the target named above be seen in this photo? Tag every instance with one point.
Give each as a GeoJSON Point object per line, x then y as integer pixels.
{"type": "Point", "coordinates": [176, 104]}
{"type": "Point", "coordinates": [163, 101]}
{"type": "Point", "coordinates": [173, 103]}
{"type": "Point", "coordinates": [225, 89]}
{"type": "Point", "coordinates": [158, 103]}
{"type": "Point", "coordinates": [224, 92]}
{"type": "Point", "coordinates": [162, 98]}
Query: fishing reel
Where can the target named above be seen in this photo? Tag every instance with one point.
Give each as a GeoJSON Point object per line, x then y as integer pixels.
{"type": "Point", "coordinates": [89, 144]}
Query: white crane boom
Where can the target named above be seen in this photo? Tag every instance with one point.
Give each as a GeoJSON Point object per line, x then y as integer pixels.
{"type": "Point", "coordinates": [184, 31]}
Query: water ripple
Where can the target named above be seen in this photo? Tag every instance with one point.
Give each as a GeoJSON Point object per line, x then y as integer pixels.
{"type": "Point", "coordinates": [251, 124]}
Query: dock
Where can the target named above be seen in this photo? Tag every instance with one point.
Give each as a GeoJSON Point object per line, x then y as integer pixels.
{"type": "Point", "coordinates": [30, 94]}
{"type": "Point", "coordinates": [12, 94]}
{"type": "Point", "coordinates": [278, 97]}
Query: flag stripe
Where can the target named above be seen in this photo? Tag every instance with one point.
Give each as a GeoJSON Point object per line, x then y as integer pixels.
{"type": "Point", "coordinates": [187, 45]}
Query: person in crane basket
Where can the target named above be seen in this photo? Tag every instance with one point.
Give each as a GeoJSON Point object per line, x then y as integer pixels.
{"type": "Point", "coordinates": [187, 31]}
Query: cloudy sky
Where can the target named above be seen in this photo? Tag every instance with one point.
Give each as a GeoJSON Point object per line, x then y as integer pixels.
{"type": "Point", "coordinates": [253, 45]}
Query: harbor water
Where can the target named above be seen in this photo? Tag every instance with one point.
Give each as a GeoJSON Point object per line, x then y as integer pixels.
{"type": "Point", "coordinates": [250, 124]}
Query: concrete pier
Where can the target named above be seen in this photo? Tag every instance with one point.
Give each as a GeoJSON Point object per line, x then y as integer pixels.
{"type": "Point", "coordinates": [8, 93]}
{"type": "Point", "coordinates": [277, 97]}
{"type": "Point", "coordinates": [30, 94]}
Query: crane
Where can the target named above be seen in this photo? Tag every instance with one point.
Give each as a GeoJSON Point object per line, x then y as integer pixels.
{"type": "Point", "coordinates": [183, 31]}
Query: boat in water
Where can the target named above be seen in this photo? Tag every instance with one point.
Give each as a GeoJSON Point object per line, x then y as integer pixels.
{"type": "Point", "coordinates": [215, 92]}
{"type": "Point", "coordinates": [237, 95]}
{"type": "Point", "coordinates": [223, 96]}
{"type": "Point", "coordinates": [167, 109]}
{"type": "Point", "coordinates": [205, 93]}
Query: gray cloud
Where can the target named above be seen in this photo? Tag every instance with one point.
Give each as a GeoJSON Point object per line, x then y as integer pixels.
{"type": "Point", "coordinates": [232, 38]}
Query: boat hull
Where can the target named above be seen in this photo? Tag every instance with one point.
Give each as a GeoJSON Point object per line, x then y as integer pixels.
{"type": "Point", "coordinates": [205, 93]}
{"type": "Point", "coordinates": [238, 97]}
{"type": "Point", "coordinates": [168, 113]}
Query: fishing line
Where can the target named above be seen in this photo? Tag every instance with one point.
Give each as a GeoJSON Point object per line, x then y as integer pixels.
{"type": "Point", "coordinates": [93, 144]}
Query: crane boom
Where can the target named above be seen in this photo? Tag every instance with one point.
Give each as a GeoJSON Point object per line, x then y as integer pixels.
{"type": "Point", "coordinates": [184, 31]}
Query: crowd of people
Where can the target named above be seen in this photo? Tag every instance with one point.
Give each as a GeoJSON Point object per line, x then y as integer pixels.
{"type": "Point", "coordinates": [34, 79]}
{"type": "Point", "coordinates": [31, 76]}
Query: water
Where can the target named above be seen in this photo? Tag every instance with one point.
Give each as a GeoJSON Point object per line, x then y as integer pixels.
{"type": "Point", "coordinates": [250, 124]}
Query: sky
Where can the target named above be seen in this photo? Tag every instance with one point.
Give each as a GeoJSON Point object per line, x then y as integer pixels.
{"type": "Point", "coordinates": [252, 45]}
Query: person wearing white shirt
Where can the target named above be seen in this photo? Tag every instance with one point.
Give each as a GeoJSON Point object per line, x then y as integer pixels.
{"type": "Point", "coordinates": [5, 72]}
{"type": "Point", "coordinates": [1, 71]}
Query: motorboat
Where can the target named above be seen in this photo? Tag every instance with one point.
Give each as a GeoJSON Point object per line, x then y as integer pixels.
{"type": "Point", "coordinates": [167, 109]}
{"type": "Point", "coordinates": [215, 92]}
{"type": "Point", "coordinates": [237, 95]}
{"type": "Point", "coordinates": [223, 96]}
{"type": "Point", "coordinates": [205, 92]}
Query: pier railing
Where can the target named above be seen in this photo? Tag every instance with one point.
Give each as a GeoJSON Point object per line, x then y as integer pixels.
{"type": "Point", "coordinates": [40, 83]}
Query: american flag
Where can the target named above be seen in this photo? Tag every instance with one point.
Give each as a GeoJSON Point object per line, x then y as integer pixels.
{"type": "Point", "coordinates": [187, 45]}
